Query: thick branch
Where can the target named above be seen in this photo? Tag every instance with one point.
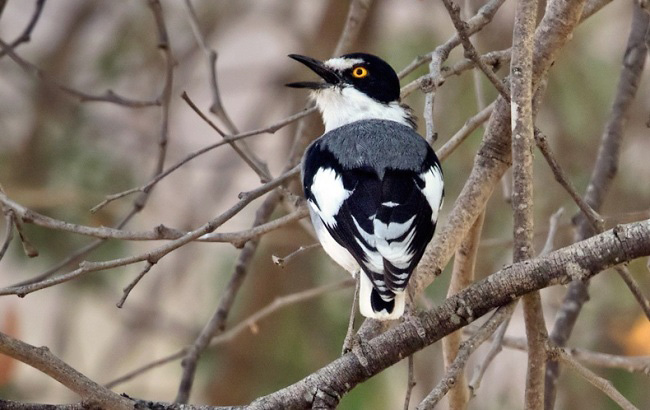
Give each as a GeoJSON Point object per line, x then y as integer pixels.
{"type": "Point", "coordinates": [42, 359]}
{"type": "Point", "coordinates": [579, 261]}
{"type": "Point", "coordinates": [521, 110]}
{"type": "Point", "coordinates": [493, 157]}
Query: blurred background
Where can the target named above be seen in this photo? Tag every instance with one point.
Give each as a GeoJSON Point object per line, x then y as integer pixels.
{"type": "Point", "coordinates": [60, 157]}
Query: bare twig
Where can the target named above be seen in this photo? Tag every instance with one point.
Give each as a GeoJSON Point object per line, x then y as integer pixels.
{"type": "Point", "coordinates": [9, 232]}
{"type": "Point", "coordinates": [410, 383]}
{"type": "Point", "coordinates": [26, 35]}
{"type": "Point", "coordinates": [129, 288]}
{"type": "Point", "coordinates": [430, 133]}
{"type": "Point", "coordinates": [246, 324]}
{"type": "Point", "coordinates": [470, 126]}
{"type": "Point", "coordinates": [217, 322]}
{"type": "Point", "coordinates": [217, 107]}
{"type": "Point", "coordinates": [278, 303]}
{"type": "Point", "coordinates": [482, 17]}
{"type": "Point", "coordinates": [160, 232]}
{"type": "Point", "coordinates": [226, 140]}
{"type": "Point", "coordinates": [357, 14]}
{"type": "Point", "coordinates": [435, 77]}
{"type": "Point", "coordinates": [495, 348]}
{"type": "Point", "coordinates": [156, 254]}
{"type": "Point", "coordinates": [28, 248]}
{"type": "Point", "coordinates": [466, 349]}
{"type": "Point", "coordinates": [601, 384]}
{"type": "Point", "coordinates": [592, 216]}
{"type": "Point", "coordinates": [634, 287]}
{"type": "Point", "coordinates": [259, 168]}
{"type": "Point", "coordinates": [283, 261]}
{"type": "Point", "coordinates": [494, 59]}
{"type": "Point", "coordinates": [470, 52]}
{"type": "Point", "coordinates": [109, 96]}
{"type": "Point", "coordinates": [553, 223]}
{"type": "Point", "coordinates": [143, 369]}
{"type": "Point", "coordinates": [632, 364]}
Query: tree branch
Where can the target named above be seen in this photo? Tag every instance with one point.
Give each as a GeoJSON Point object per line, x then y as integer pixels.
{"type": "Point", "coordinates": [603, 173]}
{"type": "Point", "coordinates": [579, 261]}
{"type": "Point", "coordinates": [42, 359]}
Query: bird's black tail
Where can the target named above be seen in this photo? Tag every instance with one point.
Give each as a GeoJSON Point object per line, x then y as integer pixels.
{"type": "Point", "coordinates": [372, 305]}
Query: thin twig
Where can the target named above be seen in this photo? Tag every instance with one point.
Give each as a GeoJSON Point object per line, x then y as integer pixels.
{"type": "Point", "coordinates": [129, 288]}
{"type": "Point", "coordinates": [9, 232]}
{"type": "Point", "coordinates": [246, 324]}
{"type": "Point", "coordinates": [28, 248]}
{"type": "Point", "coordinates": [410, 382]}
{"type": "Point", "coordinates": [601, 384]}
{"type": "Point", "coordinates": [495, 59]}
{"type": "Point", "coordinates": [461, 135]}
{"type": "Point", "coordinates": [470, 52]}
{"type": "Point", "coordinates": [217, 322]}
{"type": "Point", "coordinates": [483, 16]}
{"type": "Point", "coordinates": [357, 14]}
{"type": "Point", "coordinates": [430, 133]}
{"type": "Point", "coordinates": [632, 364]}
{"type": "Point", "coordinates": [462, 276]}
{"type": "Point", "coordinates": [109, 96]}
{"type": "Point", "coordinates": [634, 287]}
{"type": "Point", "coordinates": [283, 261]}
{"type": "Point", "coordinates": [217, 107]}
{"type": "Point", "coordinates": [553, 223]}
{"type": "Point", "coordinates": [255, 165]}
{"type": "Point", "coordinates": [26, 35]}
{"type": "Point", "coordinates": [159, 252]}
{"type": "Point", "coordinates": [143, 369]}
{"type": "Point", "coordinates": [466, 349]}
{"type": "Point", "coordinates": [278, 303]}
{"type": "Point", "coordinates": [592, 216]}
{"type": "Point", "coordinates": [228, 139]}
{"type": "Point", "coordinates": [495, 348]}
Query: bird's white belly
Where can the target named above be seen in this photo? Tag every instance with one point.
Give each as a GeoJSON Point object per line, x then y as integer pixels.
{"type": "Point", "coordinates": [333, 249]}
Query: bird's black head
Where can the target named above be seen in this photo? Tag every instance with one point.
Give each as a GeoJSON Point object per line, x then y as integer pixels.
{"type": "Point", "coordinates": [366, 73]}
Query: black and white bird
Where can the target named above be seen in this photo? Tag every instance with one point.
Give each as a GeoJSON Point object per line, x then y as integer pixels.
{"type": "Point", "coordinates": [373, 185]}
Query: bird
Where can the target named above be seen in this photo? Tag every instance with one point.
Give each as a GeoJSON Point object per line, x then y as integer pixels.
{"type": "Point", "coordinates": [373, 185]}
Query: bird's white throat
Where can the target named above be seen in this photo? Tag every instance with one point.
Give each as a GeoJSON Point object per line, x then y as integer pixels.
{"type": "Point", "coordinates": [343, 105]}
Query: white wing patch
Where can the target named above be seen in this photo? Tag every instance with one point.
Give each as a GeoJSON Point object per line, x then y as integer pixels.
{"type": "Point", "coordinates": [329, 193]}
{"type": "Point", "coordinates": [340, 255]}
{"type": "Point", "coordinates": [397, 252]}
{"type": "Point", "coordinates": [432, 191]}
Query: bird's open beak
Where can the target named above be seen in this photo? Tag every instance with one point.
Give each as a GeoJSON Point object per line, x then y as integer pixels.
{"type": "Point", "coordinates": [330, 77]}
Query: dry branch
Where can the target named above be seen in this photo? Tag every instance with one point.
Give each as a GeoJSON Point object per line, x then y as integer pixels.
{"type": "Point", "coordinates": [603, 173]}
{"type": "Point", "coordinates": [42, 359]}
{"type": "Point", "coordinates": [578, 261]}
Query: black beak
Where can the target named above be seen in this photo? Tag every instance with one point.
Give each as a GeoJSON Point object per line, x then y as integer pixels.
{"type": "Point", "coordinates": [330, 77]}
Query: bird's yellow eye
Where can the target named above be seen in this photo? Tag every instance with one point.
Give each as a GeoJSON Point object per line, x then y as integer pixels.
{"type": "Point", "coordinates": [359, 72]}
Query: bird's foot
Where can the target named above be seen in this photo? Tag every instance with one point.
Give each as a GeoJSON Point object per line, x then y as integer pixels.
{"type": "Point", "coordinates": [351, 340]}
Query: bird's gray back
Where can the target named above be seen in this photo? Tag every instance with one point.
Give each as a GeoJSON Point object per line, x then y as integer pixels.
{"type": "Point", "coordinates": [379, 144]}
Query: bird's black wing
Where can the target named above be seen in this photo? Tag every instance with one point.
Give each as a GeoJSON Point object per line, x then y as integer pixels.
{"type": "Point", "coordinates": [385, 220]}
